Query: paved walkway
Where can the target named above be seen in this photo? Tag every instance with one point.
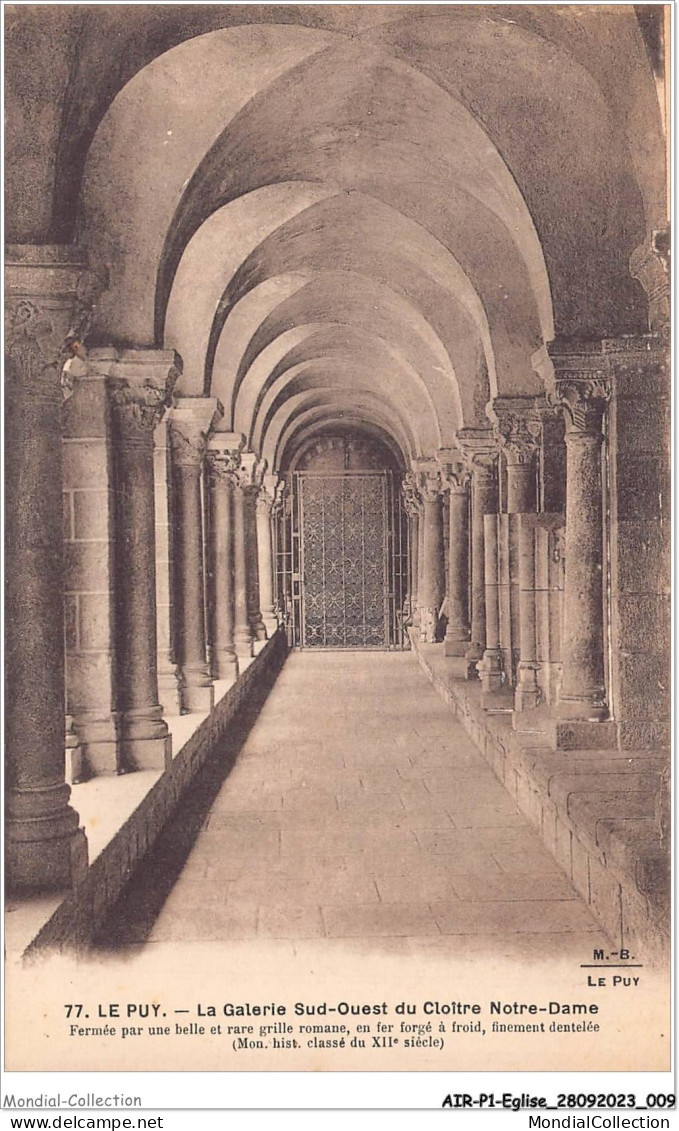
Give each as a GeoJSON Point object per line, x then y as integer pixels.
{"type": "Point", "coordinates": [358, 809]}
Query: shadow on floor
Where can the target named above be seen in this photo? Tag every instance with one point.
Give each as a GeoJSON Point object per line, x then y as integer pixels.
{"type": "Point", "coordinates": [132, 917]}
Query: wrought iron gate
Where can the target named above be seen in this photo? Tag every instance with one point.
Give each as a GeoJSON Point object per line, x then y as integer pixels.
{"type": "Point", "coordinates": [342, 561]}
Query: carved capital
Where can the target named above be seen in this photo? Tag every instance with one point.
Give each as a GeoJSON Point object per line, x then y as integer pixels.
{"type": "Point", "coordinates": [480, 452]}
{"type": "Point", "coordinates": [583, 402]}
{"type": "Point", "coordinates": [454, 472]}
{"type": "Point", "coordinates": [577, 377]}
{"type": "Point", "coordinates": [222, 465]}
{"type": "Point", "coordinates": [250, 473]}
{"type": "Point", "coordinates": [191, 420]}
{"type": "Point", "coordinates": [270, 500]}
{"type": "Point", "coordinates": [141, 385]}
{"type": "Point", "coordinates": [411, 495]}
{"type": "Point", "coordinates": [138, 406]}
{"type": "Point", "coordinates": [650, 265]}
{"type": "Point", "coordinates": [41, 296]}
{"type": "Point", "coordinates": [517, 426]}
{"type": "Point", "coordinates": [430, 484]}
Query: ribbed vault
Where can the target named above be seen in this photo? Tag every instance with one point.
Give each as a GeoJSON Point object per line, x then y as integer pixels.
{"type": "Point", "coordinates": [325, 210]}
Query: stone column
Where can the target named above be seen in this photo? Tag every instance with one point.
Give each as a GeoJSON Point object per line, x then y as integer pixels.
{"type": "Point", "coordinates": [169, 682]}
{"type": "Point", "coordinates": [457, 478]}
{"type": "Point", "coordinates": [243, 487]}
{"type": "Point", "coordinates": [265, 551]}
{"type": "Point", "coordinates": [581, 388]}
{"type": "Point", "coordinates": [89, 554]}
{"type": "Point", "coordinates": [223, 461]}
{"type": "Point", "coordinates": [278, 520]}
{"type": "Point", "coordinates": [45, 848]}
{"type": "Point", "coordinates": [480, 454]}
{"type": "Point", "coordinates": [256, 467]}
{"type": "Point", "coordinates": [432, 573]}
{"type": "Point", "coordinates": [141, 387]}
{"type": "Point", "coordinates": [518, 423]}
{"type": "Point", "coordinates": [412, 509]}
{"type": "Point", "coordinates": [190, 421]}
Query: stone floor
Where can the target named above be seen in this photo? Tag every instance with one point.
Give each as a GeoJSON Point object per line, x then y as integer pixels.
{"type": "Point", "coordinates": [358, 809]}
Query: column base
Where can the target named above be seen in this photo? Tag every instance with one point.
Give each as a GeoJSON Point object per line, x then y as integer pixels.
{"type": "Point", "coordinates": [145, 742]}
{"type": "Point", "coordinates": [271, 625]}
{"type": "Point", "coordinates": [45, 865]}
{"type": "Point", "coordinates": [455, 644]}
{"type": "Point", "coordinates": [473, 656]}
{"type": "Point", "coordinates": [259, 630]}
{"type": "Point", "coordinates": [169, 692]}
{"type": "Point", "coordinates": [73, 754]}
{"type": "Point", "coordinates": [224, 664]}
{"type": "Point", "coordinates": [429, 625]}
{"type": "Point", "coordinates": [490, 671]}
{"type": "Point", "coordinates": [98, 741]}
{"type": "Point", "coordinates": [242, 645]}
{"type": "Point", "coordinates": [197, 697]}
{"type": "Point", "coordinates": [44, 846]}
{"type": "Point", "coordinates": [527, 695]}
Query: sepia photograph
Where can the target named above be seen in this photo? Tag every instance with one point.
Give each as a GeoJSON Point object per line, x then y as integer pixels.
{"type": "Point", "coordinates": [337, 537]}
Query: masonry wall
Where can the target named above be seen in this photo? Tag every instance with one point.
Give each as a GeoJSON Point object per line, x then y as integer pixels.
{"type": "Point", "coordinates": [640, 551]}
{"type": "Point", "coordinates": [78, 920]}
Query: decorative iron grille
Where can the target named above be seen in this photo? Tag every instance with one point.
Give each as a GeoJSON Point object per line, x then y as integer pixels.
{"type": "Point", "coordinates": [342, 561]}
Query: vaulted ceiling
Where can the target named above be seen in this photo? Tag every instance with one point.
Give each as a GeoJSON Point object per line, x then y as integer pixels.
{"type": "Point", "coordinates": [343, 212]}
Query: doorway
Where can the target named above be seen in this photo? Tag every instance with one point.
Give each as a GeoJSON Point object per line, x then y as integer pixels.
{"type": "Point", "coordinates": [342, 560]}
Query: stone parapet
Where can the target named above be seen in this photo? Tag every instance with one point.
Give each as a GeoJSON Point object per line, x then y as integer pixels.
{"type": "Point", "coordinates": [80, 918]}
{"type": "Point", "coordinates": [595, 811]}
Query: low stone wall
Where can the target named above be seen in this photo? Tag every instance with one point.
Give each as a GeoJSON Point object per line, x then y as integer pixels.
{"type": "Point", "coordinates": [81, 915]}
{"type": "Point", "coordinates": [596, 811]}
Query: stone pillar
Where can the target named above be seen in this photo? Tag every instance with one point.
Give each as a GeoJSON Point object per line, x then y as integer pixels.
{"type": "Point", "coordinates": [168, 673]}
{"type": "Point", "coordinates": [190, 421]}
{"type": "Point", "coordinates": [490, 667]}
{"type": "Point", "coordinates": [141, 387]}
{"type": "Point", "coordinates": [432, 573]}
{"type": "Point", "coordinates": [581, 388]}
{"type": "Point", "coordinates": [265, 551]}
{"type": "Point", "coordinates": [242, 632]}
{"type": "Point", "coordinates": [277, 519]}
{"type": "Point", "coordinates": [45, 848]}
{"type": "Point", "coordinates": [412, 509]}
{"type": "Point", "coordinates": [89, 554]}
{"type": "Point", "coordinates": [223, 461]}
{"type": "Point", "coordinates": [457, 478]}
{"type": "Point", "coordinates": [480, 454]}
{"type": "Point", "coordinates": [257, 469]}
{"type": "Point", "coordinates": [518, 423]}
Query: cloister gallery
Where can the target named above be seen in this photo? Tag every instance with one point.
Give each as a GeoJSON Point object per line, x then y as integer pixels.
{"type": "Point", "coordinates": [336, 327]}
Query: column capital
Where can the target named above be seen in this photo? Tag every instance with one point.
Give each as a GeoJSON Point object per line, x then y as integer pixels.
{"type": "Point", "coordinates": [191, 420]}
{"type": "Point", "coordinates": [269, 498]}
{"type": "Point", "coordinates": [222, 460]}
{"type": "Point", "coordinates": [577, 379]}
{"type": "Point", "coordinates": [517, 425]}
{"type": "Point", "coordinates": [411, 495]}
{"type": "Point", "coordinates": [141, 384]}
{"type": "Point", "coordinates": [480, 451]}
{"type": "Point", "coordinates": [650, 265]}
{"type": "Point", "coordinates": [454, 472]}
{"type": "Point", "coordinates": [41, 295]}
{"type": "Point", "coordinates": [430, 484]}
{"type": "Point", "coordinates": [251, 472]}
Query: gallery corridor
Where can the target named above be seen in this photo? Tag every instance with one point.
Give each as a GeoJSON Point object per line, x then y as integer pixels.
{"type": "Point", "coordinates": [358, 810]}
